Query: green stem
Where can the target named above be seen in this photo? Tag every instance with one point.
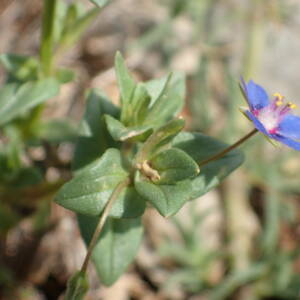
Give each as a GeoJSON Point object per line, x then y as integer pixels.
{"type": "Point", "coordinates": [47, 38]}
{"type": "Point", "coordinates": [102, 220]}
{"type": "Point", "coordinates": [225, 151]}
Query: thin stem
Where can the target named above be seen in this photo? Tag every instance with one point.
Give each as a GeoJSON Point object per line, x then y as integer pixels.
{"type": "Point", "coordinates": [102, 220]}
{"type": "Point", "coordinates": [225, 151]}
{"type": "Point", "coordinates": [47, 38]}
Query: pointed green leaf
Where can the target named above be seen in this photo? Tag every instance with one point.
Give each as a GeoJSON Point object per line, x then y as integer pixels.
{"type": "Point", "coordinates": [71, 14]}
{"type": "Point", "coordinates": [88, 192]}
{"type": "Point", "coordinates": [140, 104]}
{"type": "Point", "coordinates": [126, 85]}
{"type": "Point", "coordinates": [121, 133]}
{"type": "Point", "coordinates": [157, 87]}
{"type": "Point", "coordinates": [174, 165]}
{"type": "Point", "coordinates": [158, 139]}
{"type": "Point", "coordinates": [73, 30]}
{"type": "Point", "coordinates": [167, 98]}
{"type": "Point", "coordinates": [94, 138]}
{"type": "Point", "coordinates": [116, 247]}
{"type": "Point", "coordinates": [166, 198]}
{"type": "Point", "coordinates": [16, 101]}
{"type": "Point", "coordinates": [200, 148]}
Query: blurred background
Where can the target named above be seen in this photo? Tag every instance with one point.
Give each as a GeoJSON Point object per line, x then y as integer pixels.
{"type": "Point", "coordinates": [239, 241]}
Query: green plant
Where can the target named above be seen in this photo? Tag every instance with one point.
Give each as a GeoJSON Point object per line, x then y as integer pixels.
{"type": "Point", "coordinates": [31, 81]}
{"type": "Point", "coordinates": [131, 156]}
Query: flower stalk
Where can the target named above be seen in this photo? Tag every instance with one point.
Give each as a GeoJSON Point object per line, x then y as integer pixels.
{"type": "Point", "coordinates": [228, 149]}
{"type": "Point", "coordinates": [119, 188]}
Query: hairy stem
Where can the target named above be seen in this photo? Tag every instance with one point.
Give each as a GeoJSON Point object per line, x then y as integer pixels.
{"type": "Point", "coordinates": [225, 151]}
{"type": "Point", "coordinates": [102, 220]}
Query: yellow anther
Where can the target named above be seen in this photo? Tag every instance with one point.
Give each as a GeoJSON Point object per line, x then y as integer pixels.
{"type": "Point", "coordinates": [291, 105]}
{"type": "Point", "coordinates": [278, 95]}
{"type": "Point", "coordinates": [278, 102]}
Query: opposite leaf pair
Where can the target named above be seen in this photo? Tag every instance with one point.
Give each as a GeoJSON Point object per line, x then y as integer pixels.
{"type": "Point", "coordinates": [161, 162]}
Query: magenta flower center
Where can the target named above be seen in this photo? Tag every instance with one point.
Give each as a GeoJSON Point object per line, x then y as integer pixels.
{"type": "Point", "coordinates": [271, 115]}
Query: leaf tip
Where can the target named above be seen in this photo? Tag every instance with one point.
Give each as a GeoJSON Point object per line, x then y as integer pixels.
{"type": "Point", "coordinates": [118, 57]}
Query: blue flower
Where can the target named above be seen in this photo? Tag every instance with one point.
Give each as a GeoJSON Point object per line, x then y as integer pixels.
{"type": "Point", "coordinates": [272, 117]}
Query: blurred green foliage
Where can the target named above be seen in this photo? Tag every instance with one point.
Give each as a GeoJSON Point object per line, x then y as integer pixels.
{"type": "Point", "coordinates": [30, 82]}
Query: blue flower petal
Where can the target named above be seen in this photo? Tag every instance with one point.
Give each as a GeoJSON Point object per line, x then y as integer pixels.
{"type": "Point", "coordinates": [256, 96]}
{"type": "Point", "coordinates": [290, 127]}
{"type": "Point", "coordinates": [289, 142]}
{"type": "Point", "coordinates": [259, 126]}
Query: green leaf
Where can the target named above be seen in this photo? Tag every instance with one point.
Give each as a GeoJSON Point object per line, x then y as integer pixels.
{"type": "Point", "coordinates": [88, 192]}
{"type": "Point", "coordinates": [77, 286]}
{"type": "Point", "coordinates": [64, 16]}
{"type": "Point", "coordinates": [73, 30]}
{"type": "Point", "coordinates": [201, 147]}
{"type": "Point", "coordinates": [69, 14]}
{"type": "Point", "coordinates": [151, 103]}
{"type": "Point", "coordinates": [158, 139]}
{"type": "Point", "coordinates": [56, 131]}
{"type": "Point", "coordinates": [157, 87]}
{"type": "Point", "coordinates": [166, 198]}
{"type": "Point", "coordinates": [140, 104]}
{"type": "Point", "coordinates": [126, 85]}
{"type": "Point", "coordinates": [121, 133]}
{"type": "Point", "coordinates": [16, 101]}
{"type": "Point", "coordinates": [167, 98]}
{"type": "Point", "coordinates": [94, 138]}
{"type": "Point", "coordinates": [20, 67]}
{"type": "Point", "coordinates": [174, 165]}
{"type": "Point", "coordinates": [116, 247]}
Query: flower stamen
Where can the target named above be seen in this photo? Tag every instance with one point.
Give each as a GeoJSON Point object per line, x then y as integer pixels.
{"type": "Point", "coordinates": [271, 115]}
{"type": "Point", "coordinates": [291, 105]}
{"type": "Point", "coordinates": [278, 96]}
